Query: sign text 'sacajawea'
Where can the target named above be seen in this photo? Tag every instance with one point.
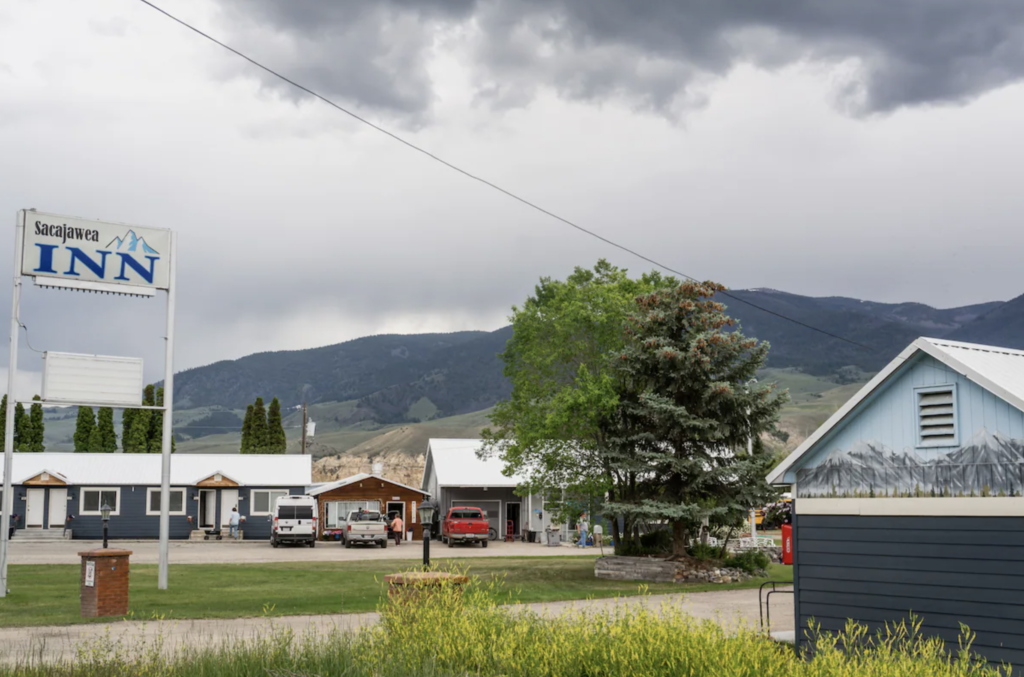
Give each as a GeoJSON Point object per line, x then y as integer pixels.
{"type": "Point", "coordinates": [65, 232]}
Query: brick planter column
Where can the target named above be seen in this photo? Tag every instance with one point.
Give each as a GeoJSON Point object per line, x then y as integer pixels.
{"type": "Point", "coordinates": [104, 582]}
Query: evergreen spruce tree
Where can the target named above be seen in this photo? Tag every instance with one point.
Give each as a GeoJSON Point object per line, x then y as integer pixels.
{"type": "Point", "coordinates": [104, 439]}
{"type": "Point", "coordinates": [687, 408]}
{"type": "Point", "coordinates": [22, 435]}
{"type": "Point", "coordinates": [277, 442]}
{"type": "Point", "coordinates": [258, 432]}
{"type": "Point", "coordinates": [247, 431]}
{"type": "Point", "coordinates": [84, 428]}
{"type": "Point", "coordinates": [36, 426]}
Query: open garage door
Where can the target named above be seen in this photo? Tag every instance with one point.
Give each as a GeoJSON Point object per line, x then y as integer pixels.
{"type": "Point", "coordinates": [492, 509]}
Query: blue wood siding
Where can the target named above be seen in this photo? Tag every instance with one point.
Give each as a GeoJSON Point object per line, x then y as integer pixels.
{"type": "Point", "coordinates": [134, 523]}
{"type": "Point", "coordinates": [946, 570]}
{"type": "Point", "coordinates": [889, 416]}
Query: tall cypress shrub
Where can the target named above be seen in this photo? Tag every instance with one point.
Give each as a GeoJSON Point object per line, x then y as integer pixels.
{"type": "Point", "coordinates": [84, 428]}
{"type": "Point", "coordinates": [258, 429]}
{"type": "Point", "coordinates": [247, 431]}
{"type": "Point", "coordinates": [277, 442]}
{"type": "Point", "coordinates": [104, 439]}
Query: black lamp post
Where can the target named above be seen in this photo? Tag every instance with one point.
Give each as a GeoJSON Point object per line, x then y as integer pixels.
{"type": "Point", "coordinates": [426, 510]}
{"type": "Point", "coordinates": [105, 512]}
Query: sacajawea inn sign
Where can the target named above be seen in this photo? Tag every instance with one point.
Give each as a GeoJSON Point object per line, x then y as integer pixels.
{"type": "Point", "coordinates": [74, 249]}
{"type": "Point", "coordinates": [66, 252]}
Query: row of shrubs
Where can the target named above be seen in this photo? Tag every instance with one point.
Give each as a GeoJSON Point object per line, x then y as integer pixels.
{"type": "Point", "coordinates": [449, 633]}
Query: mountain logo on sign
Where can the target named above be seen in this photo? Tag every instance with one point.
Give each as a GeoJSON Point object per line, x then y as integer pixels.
{"type": "Point", "coordinates": [131, 243]}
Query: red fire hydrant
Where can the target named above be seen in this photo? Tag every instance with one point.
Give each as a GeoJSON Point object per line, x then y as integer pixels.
{"type": "Point", "coordinates": [787, 544]}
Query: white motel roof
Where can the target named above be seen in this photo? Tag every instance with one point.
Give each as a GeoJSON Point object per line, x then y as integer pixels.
{"type": "Point", "coordinates": [998, 370]}
{"type": "Point", "coordinates": [456, 464]}
{"type": "Point", "coordinates": [79, 469]}
{"type": "Point", "coordinates": [322, 487]}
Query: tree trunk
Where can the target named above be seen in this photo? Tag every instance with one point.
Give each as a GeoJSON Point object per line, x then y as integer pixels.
{"type": "Point", "coordinates": [725, 544]}
{"type": "Point", "coordinates": [680, 538]}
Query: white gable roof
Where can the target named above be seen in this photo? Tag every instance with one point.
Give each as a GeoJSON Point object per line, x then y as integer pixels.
{"type": "Point", "coordinates": [261, 470]}
{"type": "Point", "coordinates": [456, 465]}
{"type": "Point", "coordinates": [322, 487]}
{"type": "Point", "coordinates": [998, 370]}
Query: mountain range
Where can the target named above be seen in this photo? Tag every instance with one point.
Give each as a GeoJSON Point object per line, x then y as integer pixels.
{"type": "Point", "coordinates": [394, 378]}
{"type": "Point", "coordinates": [988, 464]}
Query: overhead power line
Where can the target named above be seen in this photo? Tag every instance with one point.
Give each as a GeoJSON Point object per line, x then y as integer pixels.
{"type": "Point", "coordinates": [489, 184]}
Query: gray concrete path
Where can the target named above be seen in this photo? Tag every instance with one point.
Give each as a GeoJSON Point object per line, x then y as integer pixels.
{"type": "Point", "coordinates": [53, 643]}
{"type": "Point", "coordinates": [250, 552]}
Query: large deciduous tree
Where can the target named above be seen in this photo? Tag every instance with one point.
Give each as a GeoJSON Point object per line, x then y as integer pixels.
{"type": "Point", "coordinates": [277, 442]}
{"type": "Point", "coordinates": [551, 429]}
{"type": "Point", "coordinates": [84, 427]}
{"type": "Point", "coordinates": [686, 410]}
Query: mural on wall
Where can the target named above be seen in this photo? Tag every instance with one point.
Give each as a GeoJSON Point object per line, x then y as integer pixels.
{"type": "Point", "coordinates": [989, 464]}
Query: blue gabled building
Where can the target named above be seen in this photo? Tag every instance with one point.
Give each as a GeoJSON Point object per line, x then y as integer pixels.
{"type": "Point", "coordinates": [49, 488]}
{"type": "Point", "coordinates": [910, 499]}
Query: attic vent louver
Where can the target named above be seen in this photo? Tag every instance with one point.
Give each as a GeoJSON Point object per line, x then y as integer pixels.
{"type": "Point", "coordinates": [936, 416]}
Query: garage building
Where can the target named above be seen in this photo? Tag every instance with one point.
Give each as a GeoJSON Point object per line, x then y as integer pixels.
{"type": "Point", "coordinates": [455, 475]}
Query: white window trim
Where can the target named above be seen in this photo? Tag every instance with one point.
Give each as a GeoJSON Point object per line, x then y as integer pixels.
{"type": "Point", "coordinates": [149, 493]}
{"type": "Point", "coordinates": [81, 500]}
{"type": "Point", "coordinates": [252, 501]}
{"type": "Point", "coordinates": [924, 390]}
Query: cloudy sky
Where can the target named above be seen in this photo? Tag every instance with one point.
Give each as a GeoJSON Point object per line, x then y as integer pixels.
{"type": "Point", "coordinates": [869, 149]}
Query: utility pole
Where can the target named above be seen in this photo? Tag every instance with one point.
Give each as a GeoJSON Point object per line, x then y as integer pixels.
{"type": "Point", "coordinates": [304, 419]}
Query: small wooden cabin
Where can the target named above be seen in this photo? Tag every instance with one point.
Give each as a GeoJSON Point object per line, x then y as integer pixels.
{"type": "Point", "coordinates": [371, 492]}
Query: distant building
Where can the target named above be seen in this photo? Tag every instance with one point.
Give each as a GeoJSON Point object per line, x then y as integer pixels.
{"type": "Point", "coordinates": [911, 498]}
{"type": "Point", "coordinates": [49, 487]}
{"type": "Point", "coordinates": [371, 492]}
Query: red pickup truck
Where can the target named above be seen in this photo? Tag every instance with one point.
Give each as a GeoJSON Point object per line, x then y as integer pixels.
{"type": "Point", "coordinates": [465, 524]}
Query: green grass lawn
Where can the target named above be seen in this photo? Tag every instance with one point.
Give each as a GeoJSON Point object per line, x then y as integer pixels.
{"type": "Point", "coordinates": [48, 594]}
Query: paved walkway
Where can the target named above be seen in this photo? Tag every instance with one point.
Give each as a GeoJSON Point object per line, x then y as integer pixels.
{"type": "Point", "coordinates": [223, 552]}
{"type": "Point", "coordinates": [51, 643]}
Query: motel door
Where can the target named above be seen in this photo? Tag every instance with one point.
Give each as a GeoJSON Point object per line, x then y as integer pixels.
{"type": "Point", "coordinates": [58, 508]}
{"type": "Point", "coordinates": [36, 499]}
{"type": "Point", "coordinates": [228, 500]}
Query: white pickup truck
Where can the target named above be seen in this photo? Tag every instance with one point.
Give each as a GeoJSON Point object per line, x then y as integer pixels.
{"type": "Point", "coordinates": [364, 526]}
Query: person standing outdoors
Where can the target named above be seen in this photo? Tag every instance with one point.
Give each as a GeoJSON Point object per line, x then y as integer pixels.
{"type": "Point", "coordinates": [583, 527]}
{"type": "Point", "coordinates": [398, 527]}
{"type": "Point", "coordinates": [234, 522]}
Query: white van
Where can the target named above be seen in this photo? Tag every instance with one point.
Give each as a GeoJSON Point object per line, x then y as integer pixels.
{"type": "Point", "coordinates": [294, 521]}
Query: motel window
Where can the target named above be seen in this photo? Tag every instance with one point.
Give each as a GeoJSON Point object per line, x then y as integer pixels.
{"type": "Point", "coordinates": [264, 501]}
{"type": "Point", "coordinates": [94, 498]}
{"type": "Point", "coordinates": [153, 501]}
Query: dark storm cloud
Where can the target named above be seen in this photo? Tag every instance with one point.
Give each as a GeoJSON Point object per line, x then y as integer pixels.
{"type": "Point", "coordinates": [655, 53]}
{"type": "Point", "coordinates": [375, 53]}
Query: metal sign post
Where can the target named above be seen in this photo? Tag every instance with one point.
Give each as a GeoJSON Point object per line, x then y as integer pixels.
{"type": "Point", "coordinates": [165, 446]}
{"type": "Point", "coordinates": [12, 368]}
{"type": "Point", "coordinates": [64, 252]}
